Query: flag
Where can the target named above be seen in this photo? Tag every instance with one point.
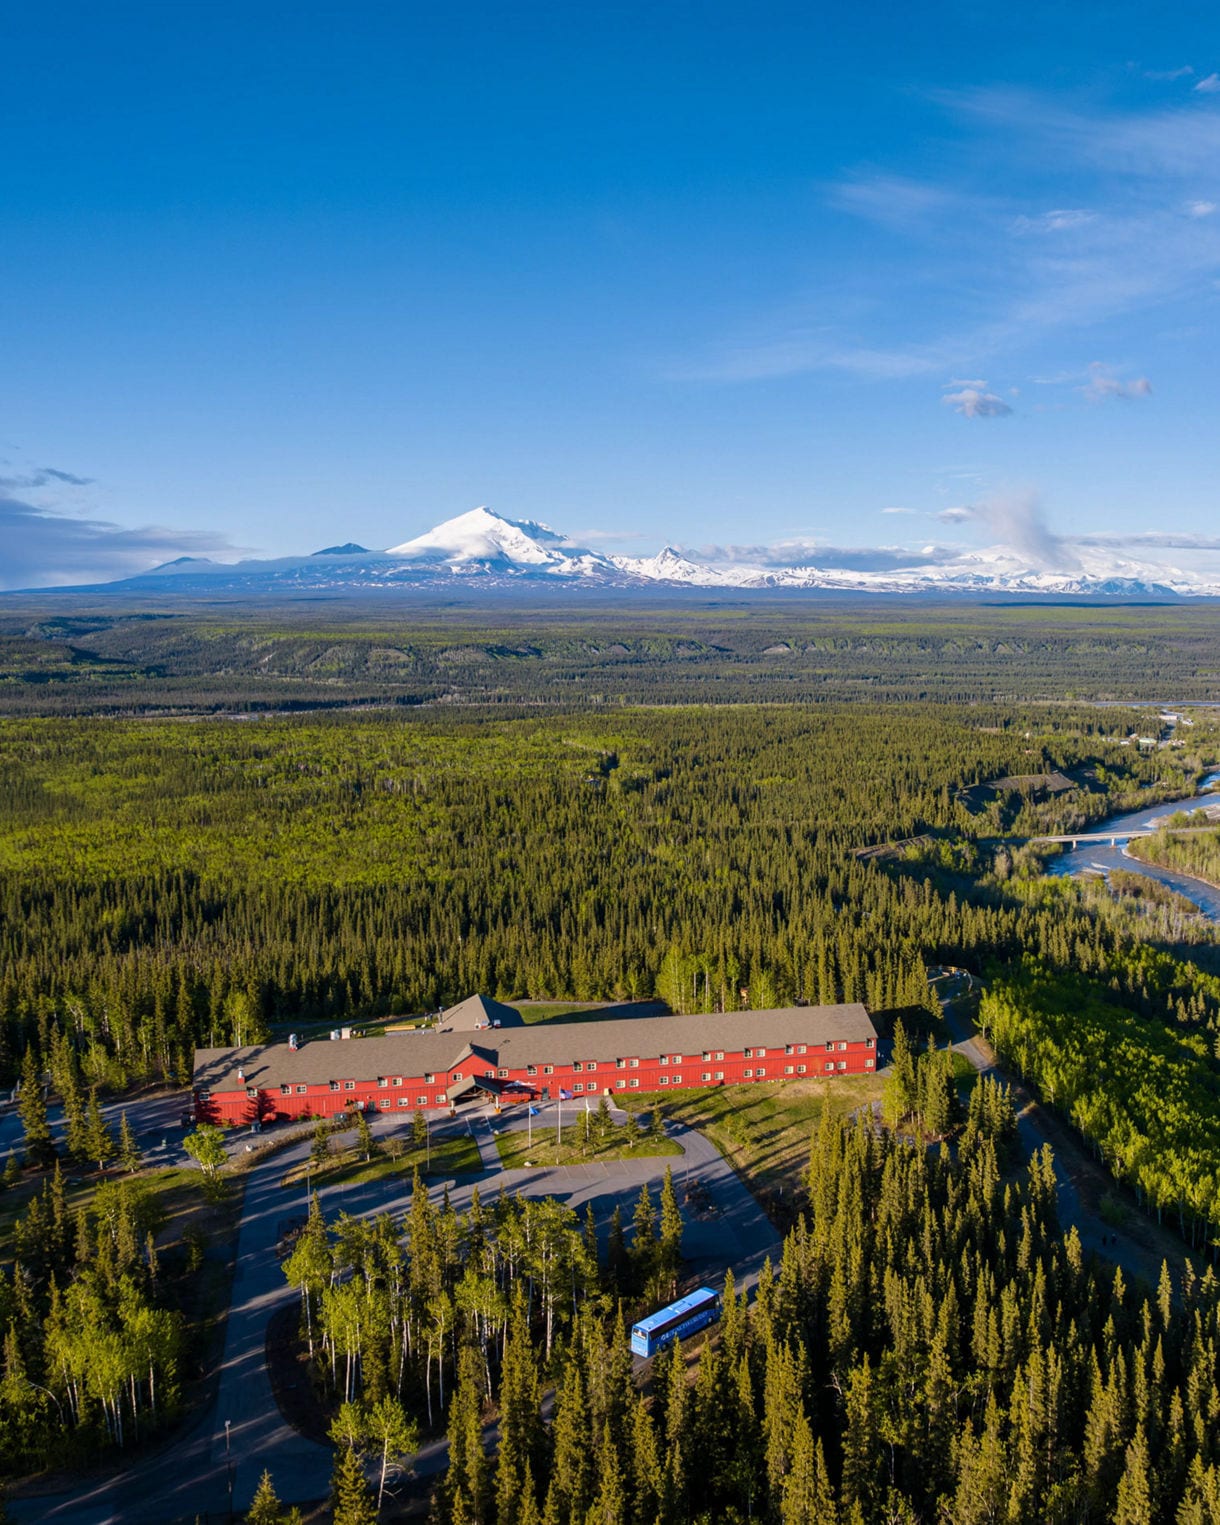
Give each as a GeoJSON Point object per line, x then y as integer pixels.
{"type": "Point", "coordinates": [533, 1111]}
{"type": "Point", "coordinates": [564, 1095]}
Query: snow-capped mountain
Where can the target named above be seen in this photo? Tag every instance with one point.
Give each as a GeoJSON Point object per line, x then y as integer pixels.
{"type": "Point", "coordinates": [495, 551]}
{"type": "Point", "coordinates": [483, 540]}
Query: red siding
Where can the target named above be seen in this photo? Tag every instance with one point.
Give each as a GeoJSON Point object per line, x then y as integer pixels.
{"type": "Point", "coordinates": [722, 1067]}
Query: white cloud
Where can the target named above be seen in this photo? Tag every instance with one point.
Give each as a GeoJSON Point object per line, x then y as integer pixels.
{"type": "Point", "coordinates": [1169, 75]}
{"type": "Point", "coordinates": [974, 402]}
{"type": "Point", "coordinates": [1103, 385]}
{"type": "Point", "coordinates": [1209, 86]}
{"type": "Point", "coordinates": [1200, 208]}
{"type": "Point", "coordinates": [1016, 520]}
{"type": "Point", "coordinates": [1057, 221]}
{"type": "Point", "coordinates": [40, 547]}
{"type": "Point", "coordinates": [897, 510]}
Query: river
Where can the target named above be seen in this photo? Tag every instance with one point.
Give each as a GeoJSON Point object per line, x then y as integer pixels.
{"type": "Point", "coordinates": [1101, 856]}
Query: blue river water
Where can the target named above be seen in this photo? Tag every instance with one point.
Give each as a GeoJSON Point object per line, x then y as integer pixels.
{"type": "Point", "coordinates": [1100, 856]}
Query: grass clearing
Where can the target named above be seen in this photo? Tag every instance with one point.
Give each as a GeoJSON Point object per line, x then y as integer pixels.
{"type": "Point", "coordinates": [517, 1150]}
{"type": "Point", "coordinates": [765, 1130]}
{"type": "Point", "coordinates": [453, 1155]}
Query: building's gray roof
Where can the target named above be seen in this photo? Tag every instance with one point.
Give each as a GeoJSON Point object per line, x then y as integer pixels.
{"type": "Point", "coordinates": [437, 1052]}
{"type": "Point", "coordinates": [478, 1011]}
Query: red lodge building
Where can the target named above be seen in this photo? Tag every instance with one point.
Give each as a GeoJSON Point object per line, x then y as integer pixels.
{"type": "Point", "coordinates": [481, 1049]}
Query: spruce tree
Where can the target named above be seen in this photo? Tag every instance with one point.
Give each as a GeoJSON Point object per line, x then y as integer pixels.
{"type": "Point", "coordinates": [350, 1496]}
{"type": "Point", "coordinates": [99, 1140]}
{"type": "Point", "coordinates": [129, 1151]}
{"type": "Point", "coordinates": [265, 1506]}
{"type": "Point", "coordinates": [32, 1105]}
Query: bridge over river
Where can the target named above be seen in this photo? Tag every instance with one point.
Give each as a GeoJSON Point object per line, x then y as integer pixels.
{"type": "Point", "coordinates": [1113, 838]}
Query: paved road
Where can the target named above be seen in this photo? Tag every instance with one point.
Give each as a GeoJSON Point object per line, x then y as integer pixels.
{"type": "Point", "coordinates": [191, 1475]}
{"type": "Point", "coordinates": [1035, 1129]}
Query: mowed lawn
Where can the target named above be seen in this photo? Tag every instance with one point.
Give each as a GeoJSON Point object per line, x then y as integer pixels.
{"type": "Point", "coordinates": [452, 1155]}
{"type": "Point", "coordinates": [765, 1130]}
{"type": "Point", "coordinates": [575, 1147]}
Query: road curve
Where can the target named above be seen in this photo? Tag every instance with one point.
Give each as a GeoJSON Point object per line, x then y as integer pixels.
{"type": "Point", "coordinates": [194, 1473]}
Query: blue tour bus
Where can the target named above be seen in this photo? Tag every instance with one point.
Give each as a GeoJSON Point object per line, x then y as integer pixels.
{"type": "Point", "coordinates": [693, 1312]}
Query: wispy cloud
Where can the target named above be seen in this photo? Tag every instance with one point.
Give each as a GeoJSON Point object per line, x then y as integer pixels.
{"type": "Point", "coordinates": [1103, 385]}
{"type": "Point", "coordinates": [1152, 540]}
{"type": "Point", "coordinates": [1210, 85]}
{"type": "Point", "coordinates": [1017, 520]}
{"type": "Point", "coordinates": [996, 277]}
{"type": "Point", "coordinates": [40, 547]}
{"type": "Point", "coordinates": [809, 553]}
{"type": "Point", "coordinates": [1057, 221]}
{"type": "Point", "coordinates": [976, 402]}
{"type": "Point", "coordinates": [895, 509]}
{"type": "Point", "coordinates": [43, 476]}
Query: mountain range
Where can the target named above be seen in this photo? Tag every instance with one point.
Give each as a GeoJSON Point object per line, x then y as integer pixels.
{"type": "Point", "coordinates": [483, 546]}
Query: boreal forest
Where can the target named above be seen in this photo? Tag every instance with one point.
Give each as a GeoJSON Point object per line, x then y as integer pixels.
{"type": "Point", "coordinates": [217, 827]}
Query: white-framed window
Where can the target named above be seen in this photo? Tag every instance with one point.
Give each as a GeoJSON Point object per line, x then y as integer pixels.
{"type": "Point", "coordinates": [441, 1098]}
{"type": "Point", "coordinates": [620, 1064]}
{"type": "Point", "coordinates": [747, 1053]}
{"type": "Point", "coordinates": [302, 1090]}
{"type": "Point", "coordinates": [634, 1081]}
{"type": "Point", "coordinates": [787, 1048]}
{"type": "Point", "coordinates": [719, 1053]}
{"type": "Point", "coordinates": [830, 1064]}
{"type": "Point", "coordinates": [590, 1064]}
{"type": "Point", "coordinates": [719, 1074]}
{"type": "Point", "coordinates": [349, 1085]}
{"type": "Point", "coordinates": [429, 1080]}
{"type": "Point", "coordinates": [620, 1085]}
{"type": "Point", "coordinates": [664, 1059]}
{"type": "Point", "coordinates": [634, 1063]}
{"type": "Point", "coordinates": [870, 1043]}
{"type": "Point", "coordinates": [868, 1064]}
{"type": "Point", "coordinates": [760, 1053]}
{"type": "Point", "coordinates": [405, 1101]}
{"type": "Point", "coordinates": [577, 1066]}
{"type": "Point", "coordinates": [548, 1069]}
{"type": "Point", "coordinates": [397, 1080]}
{"type": "Point", "coordinates": [788, 1069]}
{"type": "Point", "coordinates": [762, 1074]}
{"type": "Point", "coordinates": [677, 1080]}
{"type": "Point", "coordinates": [285, 1090]}
{"type": "Point", "coordinates": [579, 1086]}
{"type": "Point", "coordinates": [384, 1103]}
{"type": "Point", "coordinates": [335, 1086]}
{"type": "Point", "coordinates": [800, 1069]}
{"type": "Point", "coordinates": [531, 1069]}
{"type": "Point", "coordinates": [383, 1080]}
{"type": "Point", "coordinates": [800, 1048]}
{"type": "Point", "coordinates": [830, 1048]}
{"type": "Point", "coordinates": [842, 1064]}
{"type": "Point", "coordinates": [842, 1046]}
{"type": "Point", "coordinates": [707, 1054]}
{"type": "Point", "coordinates": [749, 1074]}
{"type": "Point", "coordinates": [707, 1075]}
{"type": "Point", "coordinates": [662, 1080]}
{"type": "Point", "coordinates": [503, 1074]}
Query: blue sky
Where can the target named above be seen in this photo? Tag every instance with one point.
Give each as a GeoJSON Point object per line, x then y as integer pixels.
{"type": "Point", "coordinates": [273, 276]}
